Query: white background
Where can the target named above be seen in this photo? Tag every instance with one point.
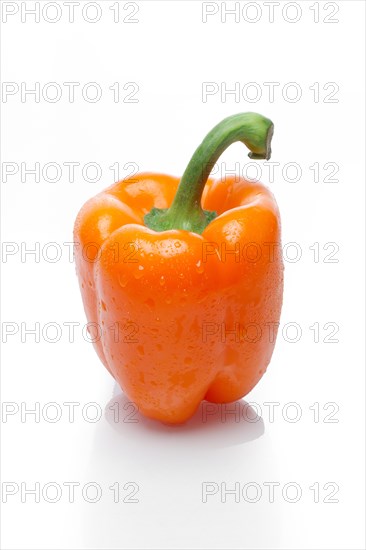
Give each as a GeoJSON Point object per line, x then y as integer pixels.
{"type": "Point", "coordinates": [169, 53]}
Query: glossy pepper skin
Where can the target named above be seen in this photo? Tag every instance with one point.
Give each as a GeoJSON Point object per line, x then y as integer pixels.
{"type": "Point", "coordinates": [182, 315]}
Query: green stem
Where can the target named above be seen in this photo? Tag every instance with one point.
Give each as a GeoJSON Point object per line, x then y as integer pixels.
{"type": "Point", "coordinates": [252, 129]}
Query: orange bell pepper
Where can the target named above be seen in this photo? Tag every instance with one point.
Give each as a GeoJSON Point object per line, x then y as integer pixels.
{"type": "Point", "coordinates": [182, 296]}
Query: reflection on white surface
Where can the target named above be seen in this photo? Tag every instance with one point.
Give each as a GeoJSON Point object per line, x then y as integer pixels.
{"type": "Point", "coordinates": [212, 425]}
{"type": "Point", "coordinates": [169, 464]}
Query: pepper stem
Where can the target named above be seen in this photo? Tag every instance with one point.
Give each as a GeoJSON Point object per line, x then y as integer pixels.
{"type": "Point", "coordinates": [252, 129]}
